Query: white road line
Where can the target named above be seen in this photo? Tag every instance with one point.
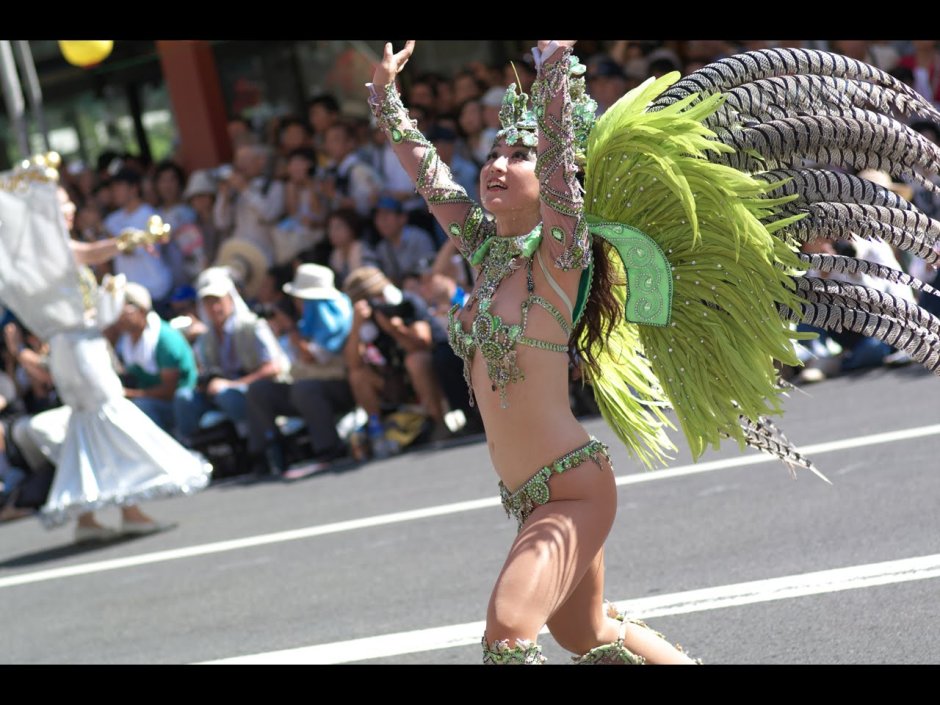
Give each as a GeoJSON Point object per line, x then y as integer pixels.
{"type": "Point", "coordinates": [440, 510]}
{"type": "Point", "coordinates": [784, 588]}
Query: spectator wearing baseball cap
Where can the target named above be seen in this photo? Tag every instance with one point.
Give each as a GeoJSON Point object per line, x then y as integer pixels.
{"type": "Point", "coordinates": [402, 245]}
{"type": "Point", "coordinates": [158, 361]}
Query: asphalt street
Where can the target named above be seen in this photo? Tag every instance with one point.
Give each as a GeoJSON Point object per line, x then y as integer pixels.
{"type": "Point", "coordinates": [392, 562]}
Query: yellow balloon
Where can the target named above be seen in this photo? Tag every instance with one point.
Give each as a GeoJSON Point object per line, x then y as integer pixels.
{"type": "Point", "coordinates": [86, 53]}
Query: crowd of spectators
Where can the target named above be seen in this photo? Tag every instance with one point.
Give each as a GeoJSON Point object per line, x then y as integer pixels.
{"type": "Point", "coordinates": [307, 280]}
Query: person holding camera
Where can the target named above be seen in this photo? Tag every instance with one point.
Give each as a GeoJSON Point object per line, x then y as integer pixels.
{"type": "Point", "coordinates": [390, 346]}
{"type": "Point", "coordinates": [249, 199]}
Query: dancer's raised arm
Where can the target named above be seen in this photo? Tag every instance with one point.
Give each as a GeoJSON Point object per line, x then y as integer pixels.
{"type": "Point", "coordinates": [564, 230]}
{"type": "Point", "coordinates": [459, 216]}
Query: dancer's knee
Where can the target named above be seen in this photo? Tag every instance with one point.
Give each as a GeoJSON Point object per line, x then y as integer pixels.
{"type": "Point", "coordinates": [505, 622]}
{"type": "Point", "coordinates": [580, 638]}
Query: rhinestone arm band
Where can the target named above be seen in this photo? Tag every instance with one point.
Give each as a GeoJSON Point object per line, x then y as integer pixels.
{"type": "Point", "coordinates": [458, 214]}
{"type": "Point", "coordinates": [556, 166]}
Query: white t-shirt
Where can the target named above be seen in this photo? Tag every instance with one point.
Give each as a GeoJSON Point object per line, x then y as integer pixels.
{"type": "Point", "coordinates": [140, 266]}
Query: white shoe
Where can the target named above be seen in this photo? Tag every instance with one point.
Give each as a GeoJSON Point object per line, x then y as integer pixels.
{"type": "Point", "coordinates": [810, 375]}
{"type": "Point", "coordinates": [897, 359]}
{"type": "Point", "coordinates": [84, 534]}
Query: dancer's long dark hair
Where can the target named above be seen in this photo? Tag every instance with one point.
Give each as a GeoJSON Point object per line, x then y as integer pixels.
{"type": "Point", "coordinates": [602, 310]}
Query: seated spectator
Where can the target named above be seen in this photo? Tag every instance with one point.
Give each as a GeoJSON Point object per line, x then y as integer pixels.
{"type": "Point", "coordinates": [240, 132]}
{"type": "Point", "coordinates": [144, 266]}
{"type": "Point", "coordinates": [302, 226]}
{"type": "Point", "coordinates": [607, 82]}
{"type": "Point", "coordinates": [27, 364]}
{"type": "Point", "coordinates": [318, 390]}
{"type": "Point", "coordinates": [159, 366]}
{"type": "Point", "coordinates": [466, 87]}
{"type": "Point", "coordinates": [271, 291]}
{"type": "Point", "coordinates": [350, 251]}
{"type": "Point", "coordinates": [473, 146]}
{"type": "Point", "coordinates": [184, 314]}
{"type": "Point", "coordinates": [390, 345]}
{"type": "Point", "coordinates": [349, 182]}
{"type": "Point", "coordinates": [237, 349]}
{"type": "Point", "coordinates": [441, 292]}
{"type": "Point", "coordinates": [199, 240]}
{"type": "Point", "coordinates": [183, 253]}
{"type": "Point", "coordinates": [402, 246]}
{"type": "Point", "coordinates": [293, 133]}
{"type": "Point", "coordinates": [322, 113]}
{"type": "Point", "coordinates": [11, 476]}
{"type": "Point", "coordinates": [250, 200]}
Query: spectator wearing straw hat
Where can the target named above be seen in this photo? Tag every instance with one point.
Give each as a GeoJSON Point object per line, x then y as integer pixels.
{"type": "Point", "coordinates": [318, 389]}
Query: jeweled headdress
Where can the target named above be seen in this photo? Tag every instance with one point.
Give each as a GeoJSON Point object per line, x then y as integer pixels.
{"type": "Point", "coordinates": [519, 121]}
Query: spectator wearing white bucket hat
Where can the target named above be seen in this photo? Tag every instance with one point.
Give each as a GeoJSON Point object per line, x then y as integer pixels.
{"type": "Point", "coordinates": [238, 349]}
{"type": "Point", "coordinates": [318, 389]}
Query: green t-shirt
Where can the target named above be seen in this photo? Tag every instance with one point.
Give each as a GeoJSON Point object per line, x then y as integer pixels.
{"type": "Point", "coordinates": [173, 352]}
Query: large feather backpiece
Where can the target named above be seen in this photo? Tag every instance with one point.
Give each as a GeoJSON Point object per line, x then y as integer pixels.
{"type": "Point", "coordinates": [730, 170]}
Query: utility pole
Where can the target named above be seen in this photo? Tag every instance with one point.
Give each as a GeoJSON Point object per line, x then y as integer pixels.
{"type": "Point", "coordinates": [13, 97]}
{"type": "Point", "coordinates": [33, 91]}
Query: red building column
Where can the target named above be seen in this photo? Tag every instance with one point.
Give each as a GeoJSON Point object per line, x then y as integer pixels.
{"type": "Point", "coordinates": [196, 96]}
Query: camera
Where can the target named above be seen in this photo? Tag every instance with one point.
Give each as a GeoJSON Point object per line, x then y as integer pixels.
{"type": "Point", "coordinates": [404, 310]}
{"type": "Point", "coordinates": [223, 172]}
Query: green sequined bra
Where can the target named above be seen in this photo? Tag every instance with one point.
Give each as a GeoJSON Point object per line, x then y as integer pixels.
{"type": "Point", "coordinates": [496, 340]}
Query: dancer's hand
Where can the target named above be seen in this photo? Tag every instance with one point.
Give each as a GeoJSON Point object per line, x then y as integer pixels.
{"type": "Point", "coordinates": [560, 42]}
{"type": "Point", "coordinates": [392, 64]}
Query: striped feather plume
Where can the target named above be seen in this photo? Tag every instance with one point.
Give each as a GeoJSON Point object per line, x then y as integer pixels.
{"type": "Point", "coordinates": [764, 436]}
{"type": "Point", "coordinates": [844, 142]}
{"type": "Point", "coordinates": [813, 185]}
{"type": "Point", "coordinates": [845, 312]}
{"type": "Point", "coordinates": [787, 96]}
{"type": "Point", "coordinates": [840, 264]}
{"type": "Point", "coordinates": [726, 74]}
{"type": "Point", "coordinates": [906, 229]}
{"type": "Point", "coordinates": [870, 300]}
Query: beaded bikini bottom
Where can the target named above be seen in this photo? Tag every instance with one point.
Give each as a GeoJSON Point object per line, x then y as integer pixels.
{"type": "Point", "coordinates": [534, 492]}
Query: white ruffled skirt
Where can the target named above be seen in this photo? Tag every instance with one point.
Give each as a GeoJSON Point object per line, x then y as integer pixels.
{"type": "Point", "coordinates": [113, 454]}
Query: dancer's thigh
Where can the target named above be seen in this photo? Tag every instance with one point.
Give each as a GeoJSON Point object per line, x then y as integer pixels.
{"type": "Point", "coordinates": [580, 623]}
{"type": "Point", "coordinates": [557, 545]}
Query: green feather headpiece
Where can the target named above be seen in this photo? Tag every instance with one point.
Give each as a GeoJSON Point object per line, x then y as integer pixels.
{"type": "Point", "coordinates": [519, 120]}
